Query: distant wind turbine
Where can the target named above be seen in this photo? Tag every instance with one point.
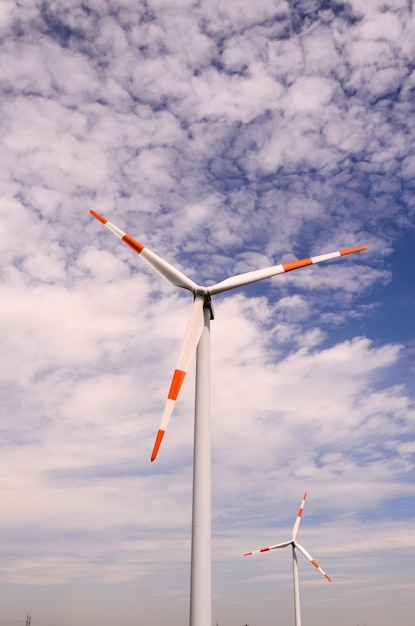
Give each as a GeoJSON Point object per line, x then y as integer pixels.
{"type": "Point", "coordinates": [295, 546]}
{"type": "Point", "coordinates": [197, 338]}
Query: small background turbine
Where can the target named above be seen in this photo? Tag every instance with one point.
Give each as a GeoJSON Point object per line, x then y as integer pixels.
{"type": "Point", "coordinates": [295, 546]}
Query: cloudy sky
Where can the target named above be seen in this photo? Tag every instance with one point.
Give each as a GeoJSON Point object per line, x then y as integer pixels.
{"type": "Point", "coordinates": [225, 136]}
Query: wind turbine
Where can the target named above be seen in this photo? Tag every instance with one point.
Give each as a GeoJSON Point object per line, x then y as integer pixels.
{"type": "Point", "coordinates": [293, 543]}
{"type": "Point", "coordinates": [197, 338]}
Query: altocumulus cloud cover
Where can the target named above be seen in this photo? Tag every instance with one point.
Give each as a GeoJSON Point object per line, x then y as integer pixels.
{"type": "Point", "coordinates": [226, 136]}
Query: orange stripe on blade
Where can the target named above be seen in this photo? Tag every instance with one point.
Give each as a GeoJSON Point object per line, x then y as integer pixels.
{"type": "Point", "coordinates": [176, 383]}
{"type": "Point", "coordinates": [157, 443]}
{"type": "Point", "coordinates": [351, 250]}
{"type": "Point", "coordinates": [133, 244]}
{"type": "Point", "coordinates": [296, 264]}
{"type": "Point", "coordinates": [264, 549]}
{"type": "Point", "coordinates": [300, 513]}
{"type": "Point", "coordinates": [328, 578]}
{"type": "Point", "coordinates": [315, 563]}
{"type": "Point", "coordinates": [248, 554]}
{"type": "Point", "coordinates": [98, 216]}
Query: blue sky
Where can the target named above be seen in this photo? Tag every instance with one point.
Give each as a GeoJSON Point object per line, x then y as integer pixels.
{"type": "Point", "coordinates": [225, 137]}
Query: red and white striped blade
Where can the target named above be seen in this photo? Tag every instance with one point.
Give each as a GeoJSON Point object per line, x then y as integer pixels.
{"type": "Point", "coordinates": [251, 277]}
{"type": "Point", "coordinates": [277, 545]}
{"type": "Point", "coordinates": [299, 516]}
{"type": "Point", "coordinates": [312, 561]}
{"type": "Point", "coordinates": [169, 272]}
{"type": "Point", "coordinates": [191, 339]}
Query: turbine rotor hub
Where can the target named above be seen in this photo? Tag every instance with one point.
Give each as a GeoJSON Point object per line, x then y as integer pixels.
{"type": "Point", "coordinates": [203, 292]}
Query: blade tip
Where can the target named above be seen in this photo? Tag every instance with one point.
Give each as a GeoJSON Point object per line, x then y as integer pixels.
{"type": "Point", "coordinates": [157, 443]}
{"type": "Point", "coordinates": [352, 250]}
{"type": "Point", "coordinates": [98, 216]}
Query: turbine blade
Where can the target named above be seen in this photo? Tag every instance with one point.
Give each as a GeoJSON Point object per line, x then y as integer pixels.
{"type": "Point", "coordinates": [191, 339]}
{"type": "Point", "coordinates": [312, 561]}
{"type": "Point", "coordinates": [251, 277]}
{"type": "Point", "coordinates": [169, 272]}
{"type": "Point", "coordinates": [299, 516]}
{"type": "Point", "coordinates": [278, 545]}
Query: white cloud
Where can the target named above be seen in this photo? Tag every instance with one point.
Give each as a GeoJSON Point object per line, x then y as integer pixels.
{"type": "Point", "coordinates": [309, 94]}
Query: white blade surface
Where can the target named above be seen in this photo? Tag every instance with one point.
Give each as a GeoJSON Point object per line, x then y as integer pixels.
{"type": "Point", "coordinates": [312, 561]}
{"type": "Point", "coordinates": [277, 545]}
{"type": "Point", "coordinates": [169, 272]}
{"type": "Point", "coordinates": [251, 277]}
{"type": "Point", "coordinates": [299, 516]}
{"type": "Point", "coordinates": [191, 339]}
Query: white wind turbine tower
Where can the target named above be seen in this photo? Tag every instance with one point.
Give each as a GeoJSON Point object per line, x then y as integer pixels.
{"type": "Point", "coordinates": [197, 338]}
{"type": "Point", "coordinates": [295, 546]}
